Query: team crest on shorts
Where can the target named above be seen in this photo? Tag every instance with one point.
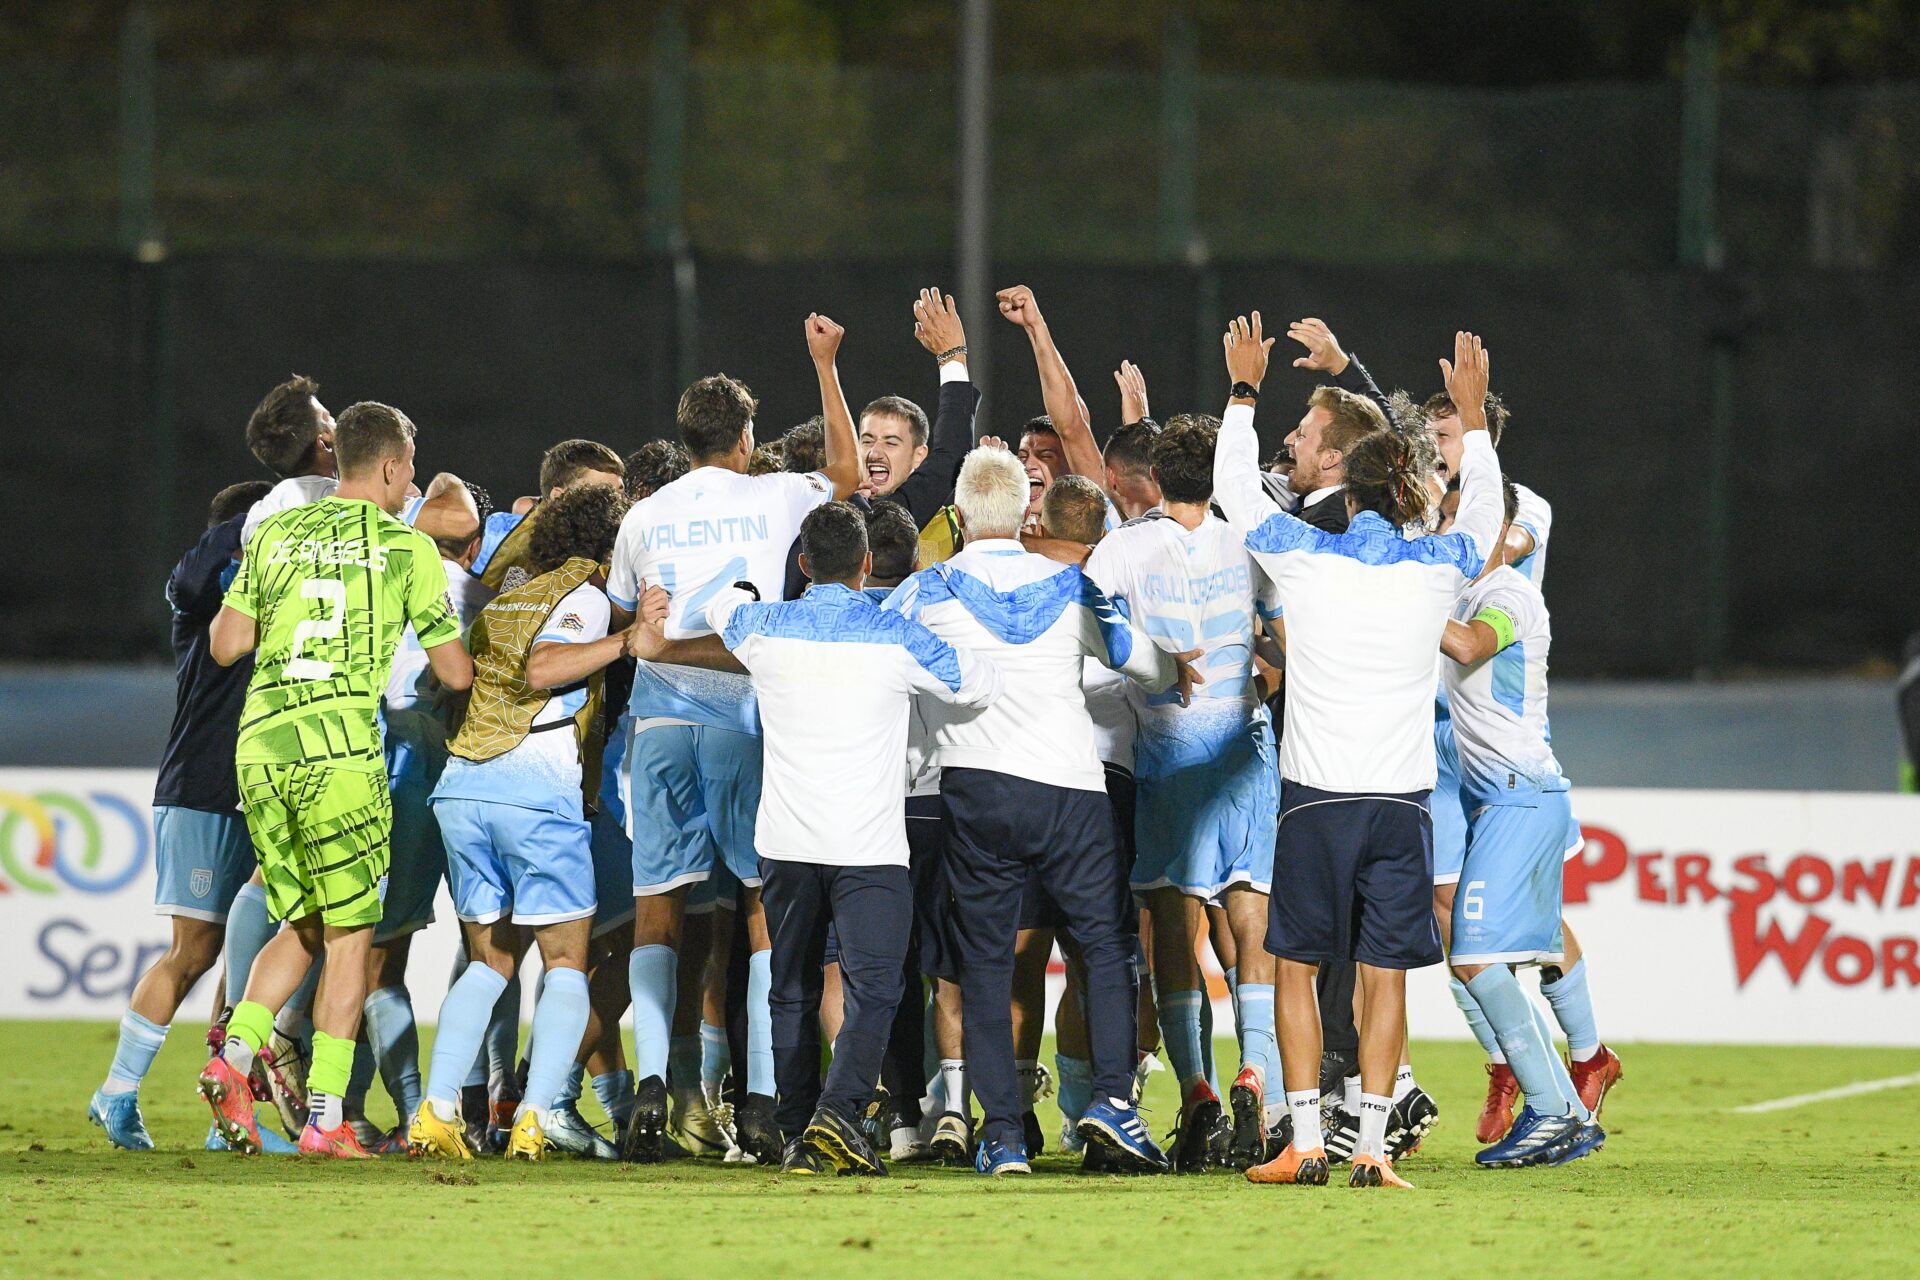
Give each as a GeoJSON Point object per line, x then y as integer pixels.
{"type": "Point", "coordinates": [200, 883]}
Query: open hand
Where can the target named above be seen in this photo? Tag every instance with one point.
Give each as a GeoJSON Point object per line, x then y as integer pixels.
{"type": "Point", "coordinates": [1247, 350]}
{"type": "Point", "coordinates": [936, 323]}
{"type": "Point", "coordinates": [1466, 378]}
{"type": "Point", "coordinates": [1323, 349]}
{"type": "Point", "coordinates": [1133, 392]}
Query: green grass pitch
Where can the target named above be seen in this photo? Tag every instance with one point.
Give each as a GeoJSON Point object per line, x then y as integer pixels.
{"type": "Point", "coordinates": [1684, 1187]}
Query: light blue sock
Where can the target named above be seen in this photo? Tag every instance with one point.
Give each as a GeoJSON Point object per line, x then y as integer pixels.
{"type": "Point", "coordinates": [503, 1036]}
{"type": "Point", "coordinates": [395, 1040]}
{"type": "Point", "coordinates": [716, 1057]}
{"type": "Point", "coordinates": [1573, 1010]}
{"type": "Point", "coordinates": [615, 1091]}
{"type": "Point", "coordinates": [477, 1078]}
{"type": "Point", "coordinates": [559, 1020]}
{"type": "Point", "coordinates": [1560, 1077]}
{"type": "Point", "coordinates": [570, 1087]}
{"type": "Point", "coordinates": [249, 928]}
{"type": "Point", "coordinates": [360, 1078]}
{"type": "Point", "coordinates": [1519, 1029]}
{"type": "Point", "coordinates": [1258, 1042]}
{"type": "Point", "coordinates": [1476, 1020]}
{"type": "Point", "coordinates": [463, 1025]}
{"type": "Point", "coordinates": [683, 1062]}
{"type": "Point", "coordinates": [652, 972]}
{"type": "Point", "coordinates": [760, 1023]}
{"type": "Point", "coordinates": [1076, 1086]}
{"type": "Point", "coordinates": [139, 1041]}
{"type": "Point", "coordinates": [1180, 1034]}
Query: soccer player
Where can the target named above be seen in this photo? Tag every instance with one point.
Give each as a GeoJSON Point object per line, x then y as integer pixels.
{"type": "Point", "coordinates": [833, 676]}
{"type": "Point", "coordinates": [324, 593]}
{"type": "Point", "coordinates": [694, 755]}
{"type": "Point", "coordinates": [1505, 909]}
{"type": "Point", "coordinates": [1023, 787]}
{"type": "Point", "coordinates": [292, 435]}
{"type": "Point", "coordinates": [905, 461]}
{"type": "Point", "coordinates": [1207, 786]}
{"type": "Point", "coordinates": [417, 718]}
{"type": "Point", "coordinates": [1595, 1067]}
{"type": "Point", "coordinates": [509, 804]}
{"type": "Point", "coordinates": [506, 535]}
{"type": "Point", "coordinates": [202, 857]}
{"type": "Point", "coordinates": [1353, 859]}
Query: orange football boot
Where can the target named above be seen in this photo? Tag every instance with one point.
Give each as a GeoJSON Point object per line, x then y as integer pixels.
{"type": "Point", "coordinates": [1371, 1171]}
{"type": "Point", "coordinates": [1301, 1168]}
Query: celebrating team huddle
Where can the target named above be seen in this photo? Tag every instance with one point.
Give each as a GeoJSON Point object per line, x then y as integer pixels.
{"type": "Point", "coordinates": [835, 738]}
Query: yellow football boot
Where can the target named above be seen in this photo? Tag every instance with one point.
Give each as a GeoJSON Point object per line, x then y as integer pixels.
{"type": "Point", "coordinates": [429, 1135]}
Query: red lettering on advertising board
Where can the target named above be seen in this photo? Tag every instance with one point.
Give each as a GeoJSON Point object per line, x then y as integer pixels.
{"type": "Point", "coordinates": [1751, 946]}
{"type": "Point", "coordinates": [1691, 877]}
{"type": "Point", "coordinates": [1857, 881]}
{"type": "Point", "coordinates": [1857, 957]}
{"type": "Point", "coordinates": [1795, 880]}
{"type": "Point", "coordinates": [1602, 858]}
{"type": "Point", "coordinates": [1900, 956]}
{"type": "Point", "coordinates": [1647, 878]}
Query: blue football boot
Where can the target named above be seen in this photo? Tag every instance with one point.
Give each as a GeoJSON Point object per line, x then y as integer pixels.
{"type": "Point", "coordinates": [119, 1114]}
{"type": "Point", "coordinates": [1123, 1134]}
{"type": "Point", "coordinates": [998, 1158]}
{"type": "Point", "coordinates": [1541, 1140]}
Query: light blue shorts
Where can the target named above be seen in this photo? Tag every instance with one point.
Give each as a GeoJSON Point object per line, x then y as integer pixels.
{"type": "Point", "coordinates": [503, 859]}
{"type": "Point", "coordinates": [612, 874]}
{"type": "Point", "coordinates": [201, 859]}
{"type": "Point", "coordinates": [1448, 809]}
{"type": "Point", "coordinates": [419, 862]}
{"type": "Point", "coordinates": [1204, 829]}
{"type": "Point", "coordinates": [692, 795]}
{"type": "Point", "coordinates": [1506, 909]}
{"type": "Point", "coordinates": [1576, 838]}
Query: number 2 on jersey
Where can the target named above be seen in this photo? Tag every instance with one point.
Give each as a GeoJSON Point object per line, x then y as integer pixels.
{"type": "Point", "coordinates": [335, 594]}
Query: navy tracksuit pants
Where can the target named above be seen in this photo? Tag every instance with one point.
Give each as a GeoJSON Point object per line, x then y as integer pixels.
{"type": "Point", "coordinates": [1000, 828]}
{"type": "Point", "coordinates": [871, 909]}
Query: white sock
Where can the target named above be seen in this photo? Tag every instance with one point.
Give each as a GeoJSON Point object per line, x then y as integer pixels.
{"type": "Point", "coordinates": [1350, 1095]}
{"type": "Point", "coordinates": [295, 1024]}
{"type": "Point", "coordinates": [444, 1108]}
{"type": "Point", "coordinates": [1305, 1106]}
{"type": "Point", "coordinates": [1271, 1111]}
{"type": "Point", "coordinates": [1403, 1082]}
{"type": "Point", "coordinates": [1028, 1070]}
{"type": "Point", "coordinates": [323, 1109]}
{"type": "Point", "coordinates": [1498, 1058]}
{"type": "Point", "coordinates": [1373, 1126]}
{"type": "Point", "coordinates": [238, 1053]}
{"type": "Point", "coordinates": [953, 1075]}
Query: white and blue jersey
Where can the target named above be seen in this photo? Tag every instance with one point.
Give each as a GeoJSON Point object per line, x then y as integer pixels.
{"type": "Point", "coordinates": [1448, 810]}
{"type": "Point", "coordinates": [1499, 706]}
{"type": "Point", "coordinates": [1533, 514]}
{"type": "Point", "coordinates": [835, 676]}
{"type": "Point", "coordinates": [1037, 620]}
{"type": "Point", "coordinates": [695, 537]}
{"type": "Point", "coordinates": [1208, 786]}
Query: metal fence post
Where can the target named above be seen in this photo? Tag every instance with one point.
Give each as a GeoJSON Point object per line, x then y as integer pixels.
{"type": "Point", "coordinates": [667, 234]}
{"type": "Point", "coordinates": [1700, 248]}
{"type": "Point", "coordinates": [973, 248]}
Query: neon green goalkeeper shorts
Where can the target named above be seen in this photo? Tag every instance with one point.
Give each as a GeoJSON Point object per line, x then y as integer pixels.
{"type": "Point", "coordinates": [323, 836]}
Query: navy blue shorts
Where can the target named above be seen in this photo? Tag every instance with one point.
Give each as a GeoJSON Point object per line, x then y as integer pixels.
{"type": "Point", "coordinates": [1353, 879]}
{"type": "Point", "coordinates": [932, 897]}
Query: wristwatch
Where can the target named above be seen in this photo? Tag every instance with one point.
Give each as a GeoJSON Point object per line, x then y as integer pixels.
{"type": "Point", "coordinates": [1242, 391]}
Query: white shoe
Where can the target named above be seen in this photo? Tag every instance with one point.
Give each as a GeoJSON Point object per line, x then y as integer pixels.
{"type": "Point", "coordinates": [1143, 1069]}
{"type": "Point", "coordinates": [907, 1146]}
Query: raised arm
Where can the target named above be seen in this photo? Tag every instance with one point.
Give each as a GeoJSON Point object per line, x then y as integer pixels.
{"type": "Point", "coordinates": [1481, 505]}
{"type": "Point", "coordinates": [1133, 392]}
{"type": "Point", "coordinates": [1064, 406]}
{"type": "Point", "coordinates": [1237, 486]}
{"type": "Point", "coordinates": [843, 449]}
{"type": "Point", "coordinates": [1325, 355]}
{"type": "Point", "coordinates": [937, 327]}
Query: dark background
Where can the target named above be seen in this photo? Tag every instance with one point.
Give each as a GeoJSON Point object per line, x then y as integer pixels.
{"type": "Point", "coordinates": [476, 213]}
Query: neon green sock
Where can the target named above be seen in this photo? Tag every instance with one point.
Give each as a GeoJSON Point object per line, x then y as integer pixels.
{"type": "Point", "coordinates": [332, 1065]}
{"type": "Point", "coordinates": [251, 1024]}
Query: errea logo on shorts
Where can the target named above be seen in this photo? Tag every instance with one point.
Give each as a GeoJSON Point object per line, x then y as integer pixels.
{"type": "Point", "coordinates": [91, 841]}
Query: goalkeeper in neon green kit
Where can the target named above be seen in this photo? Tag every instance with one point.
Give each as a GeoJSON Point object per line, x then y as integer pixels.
{"type": "Point", "coordinates": [324, 593]}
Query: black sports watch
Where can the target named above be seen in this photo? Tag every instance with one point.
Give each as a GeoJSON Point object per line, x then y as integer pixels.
{"type": "Point", "coordinates": [1242, 391]}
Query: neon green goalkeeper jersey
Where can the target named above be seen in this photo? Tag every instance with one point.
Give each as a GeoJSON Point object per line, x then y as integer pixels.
{"type": "Point", "coordinates": [333, 586]}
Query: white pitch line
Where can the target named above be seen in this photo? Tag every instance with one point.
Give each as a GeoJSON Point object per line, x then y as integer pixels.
{"type": "Point", "coordinates": [1853, 1090]}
